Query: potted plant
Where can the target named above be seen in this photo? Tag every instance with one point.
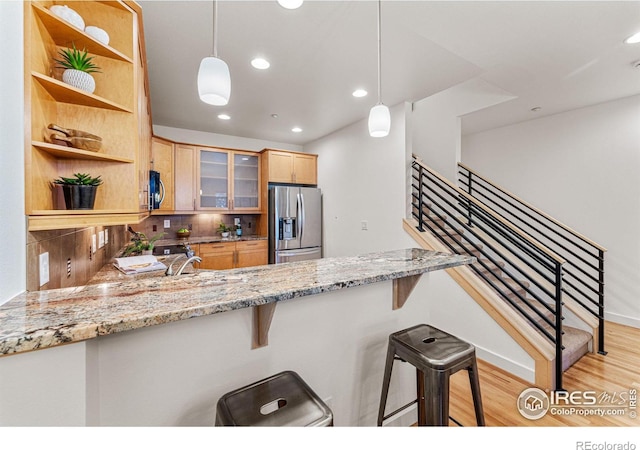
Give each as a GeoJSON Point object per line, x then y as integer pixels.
{"type": "Point", "coordinates": [224, 230]}
{"type": "Point", "coordinates": [141, 245]}
{"type": "Point", "coordinates": [78, 67]}
{"type": "Point", "coordinates": [79, 191]}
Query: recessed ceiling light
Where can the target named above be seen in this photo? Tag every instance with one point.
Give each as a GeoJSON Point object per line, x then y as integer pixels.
{"type": "Point", "coordinates": [224, 116]}
{"type": "Point", "coordinates": [260, 63]}
{"type": "Point", "coordinates": [296, 129]}
{"type": "Point", "coordinates": [275, 116]}
{"type": "Point", "coordinates": [290, 4]}
{"type": "Point", "coordinates": [633, 39]}
{"type": "Point", "coordinates": [536, 109]}
{"type": "Point", "coordinates": [359, 93]}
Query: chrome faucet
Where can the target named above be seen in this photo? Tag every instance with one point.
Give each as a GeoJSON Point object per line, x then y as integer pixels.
{"type": "Point", "coordinates": [190, 259]}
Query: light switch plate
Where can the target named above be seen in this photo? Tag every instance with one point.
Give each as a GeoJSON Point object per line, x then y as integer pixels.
{"type": "Point", "coordinates": [44, 268]}
{"type": "Point", "coordinates": [364, 225]}
{"type": "Point", "coordinates": [100, 239]}
{"type": "Point", "coordinates": [167, 223]}
{"type": "Point", "coordinates": [93, 243]}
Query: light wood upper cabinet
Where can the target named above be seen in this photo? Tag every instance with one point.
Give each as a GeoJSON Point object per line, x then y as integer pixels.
{"type": "Point", "coordinates": [162, 155]}
{"type": "Point", "coordinates": [290, 167]}
{"type": "Point", "coordinates": [184, 177]}
{"type": "Point", "coordinates": [117, 111]}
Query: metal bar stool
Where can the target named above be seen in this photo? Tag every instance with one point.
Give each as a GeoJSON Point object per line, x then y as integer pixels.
{"type": "Point", "coordinates": [436, 355]}
{"type": "Point", "coordinates": [281, 400]}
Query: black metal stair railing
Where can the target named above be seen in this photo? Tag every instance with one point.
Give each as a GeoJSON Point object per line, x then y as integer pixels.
{"type": "Point", "coordinates": [530, 276]}
{"type": "Point", "coordinates": [583, 276]}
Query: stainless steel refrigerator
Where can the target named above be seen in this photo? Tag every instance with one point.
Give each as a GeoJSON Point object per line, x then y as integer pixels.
{"type": "Point", "coordinates": [295, 223]}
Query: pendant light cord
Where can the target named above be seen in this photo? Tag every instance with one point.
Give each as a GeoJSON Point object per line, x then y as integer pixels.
{"type": "Point", "coordinates": [379, 56]}
{"type": "Point", "coordinates": [215, 28]}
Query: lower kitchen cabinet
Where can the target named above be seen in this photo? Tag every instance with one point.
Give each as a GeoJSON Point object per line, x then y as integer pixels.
{"type": "Point", "coordinates": [231, 255]}
{"type": "Point", "coordinates": [251, 253]}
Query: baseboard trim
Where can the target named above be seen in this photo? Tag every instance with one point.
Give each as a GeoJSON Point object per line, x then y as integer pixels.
{"type": "Point", "coordinates": [622, 320]}
{"type": "Point", "coordinates": [517, 369]}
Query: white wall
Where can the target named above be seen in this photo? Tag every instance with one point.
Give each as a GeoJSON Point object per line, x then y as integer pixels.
{"type": "Point", "coordinates": [13, 257]}
{"type": "Point", "coordinates": [219, 140]}
{"type": "Point", "coordinates": [581, 167]}
{"type": "Point", "coordinates": [436, 132]}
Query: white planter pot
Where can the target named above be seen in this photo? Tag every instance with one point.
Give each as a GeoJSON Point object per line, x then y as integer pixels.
{"type": "Point", "coordinates": [79, 79]}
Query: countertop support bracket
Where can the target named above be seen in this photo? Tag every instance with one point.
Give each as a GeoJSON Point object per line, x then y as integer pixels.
{"type": "Point", "coordinates": [262, 316]}
{"type": "Point", "coordinates": [402, 288]}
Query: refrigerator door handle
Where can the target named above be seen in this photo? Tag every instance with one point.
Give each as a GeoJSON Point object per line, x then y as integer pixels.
{"type": "Point", "coordinates": [300, 217]}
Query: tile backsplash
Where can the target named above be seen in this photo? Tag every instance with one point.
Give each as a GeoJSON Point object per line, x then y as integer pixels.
{"type": "Point", "coordinates": [200, 224]}
{"type": "Point", "coordinates": [71, 259]}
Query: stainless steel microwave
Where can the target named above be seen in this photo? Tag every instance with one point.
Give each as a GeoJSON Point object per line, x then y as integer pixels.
{"type": "Point", "coordinates": [156, 190]}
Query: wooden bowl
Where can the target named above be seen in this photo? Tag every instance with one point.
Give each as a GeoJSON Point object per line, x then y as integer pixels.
{"type": "Point", "coordinates": [183, 234]}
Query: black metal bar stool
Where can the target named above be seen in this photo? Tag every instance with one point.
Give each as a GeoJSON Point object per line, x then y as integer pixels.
{"type": "Point", "coordinates": [436, 355]}
{"type": "Point", "coordinates": [281, 400]}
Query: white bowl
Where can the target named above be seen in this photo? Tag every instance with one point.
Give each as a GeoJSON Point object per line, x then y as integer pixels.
{"type": "Point", "coordinates": [68, 15]}
{"type": "Point", "coordinates": [98, 34]}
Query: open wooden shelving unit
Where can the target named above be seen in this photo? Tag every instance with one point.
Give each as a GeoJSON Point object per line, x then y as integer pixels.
{"type": "Point", "coordinates": [112, 112]}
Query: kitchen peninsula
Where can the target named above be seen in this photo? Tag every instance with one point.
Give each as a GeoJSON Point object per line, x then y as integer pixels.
{"type": "Point", "coordinates": [151, 310]}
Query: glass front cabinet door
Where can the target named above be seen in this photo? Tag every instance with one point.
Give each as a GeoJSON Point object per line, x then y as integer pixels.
{"type": "Point", "coordinates": [245, 182]}
{"type": "Point", "coordinates": [214, 180]}
{"type": "Point", "coordinates": [229, 180]}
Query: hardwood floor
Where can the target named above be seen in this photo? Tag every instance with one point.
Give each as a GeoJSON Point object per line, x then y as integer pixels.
{"type": "Point", "coordinates": [617, 372]}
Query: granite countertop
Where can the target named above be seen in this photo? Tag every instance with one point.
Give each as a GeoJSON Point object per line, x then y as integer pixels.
{"type": "Point", "coordinates": [37, 320]}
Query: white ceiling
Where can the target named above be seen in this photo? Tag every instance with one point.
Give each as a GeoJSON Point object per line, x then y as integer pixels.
{"type": "Point", "coordinates": [558, 55]}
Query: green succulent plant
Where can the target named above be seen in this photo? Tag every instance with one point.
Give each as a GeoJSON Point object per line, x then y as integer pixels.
{"type": "Point", "coordinates": [141, 242]}
{"type": "Point", "coordinates": [76, 59]}
{"type": "Point", "coordinates": [80, 179]}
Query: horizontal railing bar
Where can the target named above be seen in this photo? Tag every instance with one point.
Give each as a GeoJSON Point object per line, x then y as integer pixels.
{"type": "Point", "coordinates": [560, 224]}
{"type": "Point", "coordinates": [488, 244]}
{"type": "Point", "coordinates": [573, 286]}
{"type": "Point", "coordinates": [515, 217]}
{"type": "Point", "coordinates": [485, 218]}
{"type": "Point", "coordinates": [500, 254]}
{"type": "Point", "coordinates": [584, 283]}
{"type": "Point", "coordinates": [467, 227]}
{"type": "Point", "coordinates": [551, 254]}
{"type": "Point", "coordinates": [500, 291]}
{"type": "Point", "coordinates": [581, 303]}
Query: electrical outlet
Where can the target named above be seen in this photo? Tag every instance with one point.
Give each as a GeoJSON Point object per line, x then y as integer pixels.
{"type": "Point", "coordinates": [167, 223]}
{"type": "Point", "coordinates": [44, 268]}
{"type": "Point", "coordinates": [364, 226]}
{"type": "Point", "coordinates": [106, 236]}
{"type": "Point", "coordinates": [100, 239]}
{"type": "Point", "coordinates": [93, 243]}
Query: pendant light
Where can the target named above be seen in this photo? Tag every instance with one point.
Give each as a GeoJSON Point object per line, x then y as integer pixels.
{"type": "Point", "coordinates": [290, 4]}
{"type": "Point", "coordinates": [379, 116]}
{"type": "Point", "coordinates": [214, 80]}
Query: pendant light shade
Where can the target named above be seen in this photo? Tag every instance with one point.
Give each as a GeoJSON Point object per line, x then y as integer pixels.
{"type": "Point", "coordinates": [290, 4]}
{"type": "Point", "coordinates": [379, 116]}
{"type": "Point", "coordinates": [379, 121]}
{"type": "Point", "coordinates": [214, 81]}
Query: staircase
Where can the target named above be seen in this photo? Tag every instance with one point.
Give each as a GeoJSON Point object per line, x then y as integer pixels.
{"type": "Point", "coordinates": [517, 279]}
